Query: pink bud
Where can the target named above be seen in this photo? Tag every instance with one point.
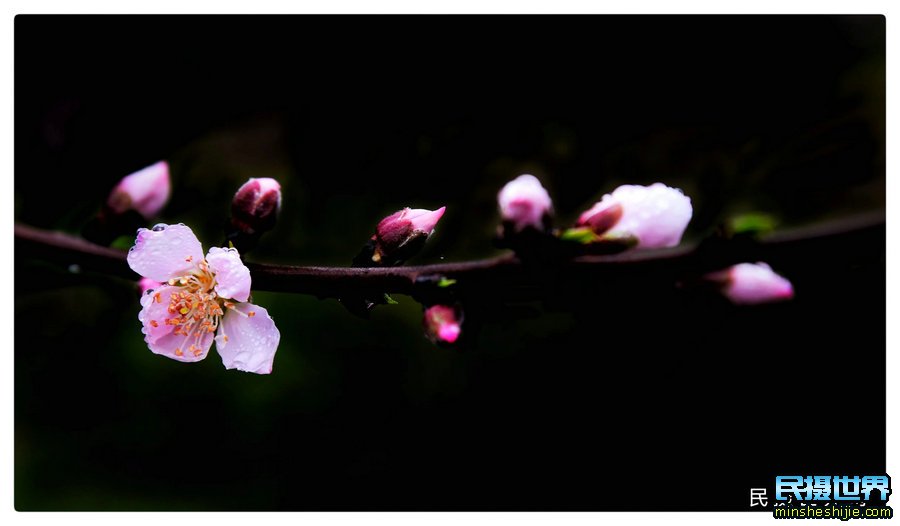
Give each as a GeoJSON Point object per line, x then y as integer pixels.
{"type": "Point", "coordinates": [256, 205]}
{"type": "Point", "coordinates": [145, 191]}
{"type": "Point", "coordinates": [395, 232]}
{"type": "Point", "coordinates": [753, 283]}
{"type": "Point", "coordinates": [524, 202]}
{"type": "Point", "coordinates": [656, 215]}
{"type": "Point", "coordinates": [146, 284]}
{"type": "Point", "coordinates": [442, 324]}
{"type": "Point", "coordinates": [601, 218]}
{"type": "Point", "coordinates": [424, 220]}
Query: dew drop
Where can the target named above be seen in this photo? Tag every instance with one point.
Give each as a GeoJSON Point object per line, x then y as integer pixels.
{"type": "Point", "coordinates": [159, 227]}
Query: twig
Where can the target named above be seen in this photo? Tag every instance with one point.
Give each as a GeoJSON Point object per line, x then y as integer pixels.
{"type": "Point", "coordinates": [854, 237]}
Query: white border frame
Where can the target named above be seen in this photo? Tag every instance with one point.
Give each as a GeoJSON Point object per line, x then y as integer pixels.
{"type": "Point", "coordinates": [433, 7]}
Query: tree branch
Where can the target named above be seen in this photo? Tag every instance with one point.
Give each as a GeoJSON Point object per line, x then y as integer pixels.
{"type": "Point", "coordinates": [847, 239]}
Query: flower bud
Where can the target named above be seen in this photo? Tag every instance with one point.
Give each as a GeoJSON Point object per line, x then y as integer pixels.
{"type": "Point", "coordinates": [402, 234]}
{"type": "Point", "coordinates": [255, 206]}
{"type": "Point", "coordinates": [145, 191]}
{"type": "Point", "coordinates": [752, 284]}
{"type": "Point", "coordinates": [442, 324]}
{"type": "Point", "coordinates": [146, 284]}
{"type": "Point", "coordinates": [656, 215]}
{"type": "Point", "coordinates": [525, 203]}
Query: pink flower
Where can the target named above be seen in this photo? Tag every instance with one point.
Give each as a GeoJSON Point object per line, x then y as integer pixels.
{"type": "Point", "coordinates": [199, 298]}
{"type": "Point", "coordinates": [752, 284]}
{"type": "Point", "coordinates": [655, 215]}
{"type": "Point", "coordinates": [145, 191]}
{"type": "Point", "coordinates": [442, 324]}
{"type": "Point", "coordinates": [146, 284]}
{"type": "Point", "coordinates": [525, 203]}
{"type": "Point", "coordinates": [256, 205]}
{"type": "Point", "coordinates": [399, 235]}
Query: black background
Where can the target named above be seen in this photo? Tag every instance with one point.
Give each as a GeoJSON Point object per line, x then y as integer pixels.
{"type": "Point", "coordinates": [634, 396]}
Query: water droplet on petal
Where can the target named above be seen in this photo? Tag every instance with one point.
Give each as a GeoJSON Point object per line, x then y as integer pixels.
{"type": "Point", "coordinates": [159, 227]}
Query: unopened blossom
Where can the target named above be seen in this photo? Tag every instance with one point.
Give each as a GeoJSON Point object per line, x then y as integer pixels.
{"type": "Point", "coordinates": [656, 215]}
{"type": "Point", "coordinates": [524, 202]}
{"type": "Point", "coordinates": [752, 284]}
{"type": "Point", "coordinates": [442, 324]}
{"type": "Point", "coordinates": [256, 205]}
{"type": "Point", "coordinates": [200, 300]}
{"type": "Point", "coordinates": [145, 191]}
{"type": "Point", "coordinates": [401, 234]}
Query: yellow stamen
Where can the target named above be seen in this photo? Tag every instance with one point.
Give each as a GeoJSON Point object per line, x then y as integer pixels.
{"type": "Point", "coordinates": [195, 310]}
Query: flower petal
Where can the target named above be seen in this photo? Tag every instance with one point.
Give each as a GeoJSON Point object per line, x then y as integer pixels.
{"type": "Point", "coordinates": [601, 217]}
{"type": "Point", "coordinates": [146, 284]}
{"type": "Point", "coordinates": [657, 214]}
{"type": "Point", "coordinates": [425, 220]}
{"type": "Point", "coordinates": [753, 284]}
{"type": "Point", "coordinates": [165, 252]}
{"type": "Point", "coordinates": [248, 339]}
{"type": "Point", "coordinates": [524, 202]}
{"type": "Point", "coordinates": [191, 348]}
{"type": "Point", "coordinates": [232, 276]}
{"type": "Point", "coordinates": [146, 191]}
{"type": "Point", "coordinates": [442, 323]}
{"type": "Point", "coordinates": [154, 312]}
{"type": "Point", "coordinates": [160, 336]}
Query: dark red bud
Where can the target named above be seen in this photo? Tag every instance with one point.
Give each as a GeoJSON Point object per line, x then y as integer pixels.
{"type": "Point", "coordinates": [255, 206]}
{"type": "Point", "coordinates": [602, 220]}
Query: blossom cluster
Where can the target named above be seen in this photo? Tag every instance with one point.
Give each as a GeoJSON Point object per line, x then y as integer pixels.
{"type": "Point", "coordinates": [191, 300]}
{"type": "Point", "coordinates": [643, 217]}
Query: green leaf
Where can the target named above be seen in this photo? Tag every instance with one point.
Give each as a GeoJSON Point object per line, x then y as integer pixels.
{"type": "Point", "coordinates": [446, 282]}
{"type": "Point", "coordinates": [583, 235]}
{"type": "Point", "coordinates": [753, 223]}
{"type": "Point", "coordinates": [389, 300]}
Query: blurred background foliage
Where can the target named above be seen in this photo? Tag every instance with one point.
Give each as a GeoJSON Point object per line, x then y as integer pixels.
{"type": "Point", "coordinates": [778, 117]}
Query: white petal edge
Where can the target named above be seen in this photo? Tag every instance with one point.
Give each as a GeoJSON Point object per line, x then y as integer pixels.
{"type": "Point", "coordinates": [232, 276]}
{"type": "Point", "coordinates": [247, 339]}
{"type": "Point", "coordinates": [165, 252]}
